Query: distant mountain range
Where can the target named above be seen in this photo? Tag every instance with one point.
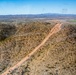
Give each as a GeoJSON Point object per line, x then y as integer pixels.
{"type": "Point", "coordinates": [47, 15]}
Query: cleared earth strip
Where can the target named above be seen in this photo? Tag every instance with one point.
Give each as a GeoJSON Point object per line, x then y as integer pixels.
{"type": "Point", "coordinates": [54, 30]}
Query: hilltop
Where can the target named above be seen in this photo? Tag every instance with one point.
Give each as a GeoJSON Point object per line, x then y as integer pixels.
{"type": "Point", "coordinates": [56, 57]}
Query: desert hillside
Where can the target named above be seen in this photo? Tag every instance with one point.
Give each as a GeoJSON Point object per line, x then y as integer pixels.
{"type": "Point", "coordinates": [17, 41]}
{"type": "Point", "coordinates": [56, 57]}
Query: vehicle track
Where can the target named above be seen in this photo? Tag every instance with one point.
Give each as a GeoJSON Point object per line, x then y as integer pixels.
{"type": "Point", "coordinates": [54, 30]}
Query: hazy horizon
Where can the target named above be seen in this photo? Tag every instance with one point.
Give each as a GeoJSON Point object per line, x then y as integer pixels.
{"type": "Point", "coordinates": [17, 7]}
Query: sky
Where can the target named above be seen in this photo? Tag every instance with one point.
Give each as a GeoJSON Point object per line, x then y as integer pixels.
{"type": "Point", "coordinates": [12, 7]}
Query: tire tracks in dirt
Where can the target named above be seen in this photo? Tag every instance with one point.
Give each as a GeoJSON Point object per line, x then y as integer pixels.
{"type": "Point", "coordinates": [54, 30]}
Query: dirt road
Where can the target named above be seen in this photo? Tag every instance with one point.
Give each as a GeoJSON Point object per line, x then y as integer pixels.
{"type": "Point", "coordinates": [54, 30]}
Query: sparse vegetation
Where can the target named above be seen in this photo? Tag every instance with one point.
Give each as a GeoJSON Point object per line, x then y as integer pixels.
{"type": "Point", "coordinates": [21, 40]}
{"type": "Point", "coordinates": [56, 57]}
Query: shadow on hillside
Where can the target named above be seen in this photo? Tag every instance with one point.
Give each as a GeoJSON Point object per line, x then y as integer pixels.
{"type": "Point", "coordinates": [6, 31]}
